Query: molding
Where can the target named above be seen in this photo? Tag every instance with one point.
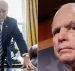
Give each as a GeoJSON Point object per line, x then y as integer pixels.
{"type": "Point", "coordinates": [45, 44]}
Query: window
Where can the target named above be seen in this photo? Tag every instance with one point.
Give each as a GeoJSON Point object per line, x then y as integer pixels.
{"type": "Point", "coordinates": [15, 9]}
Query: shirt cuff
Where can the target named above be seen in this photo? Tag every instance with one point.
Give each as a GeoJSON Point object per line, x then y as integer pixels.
{"type": "Point", "coordinates": [25, 54]}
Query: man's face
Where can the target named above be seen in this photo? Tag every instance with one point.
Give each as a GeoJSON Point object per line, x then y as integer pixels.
{"type": "Point", "coordinates": [3, 14]}
{"type": "Point", "coordinates": [63, 29]}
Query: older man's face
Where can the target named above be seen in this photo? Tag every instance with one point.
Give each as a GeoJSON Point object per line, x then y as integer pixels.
{"type": "Point", "coordinates": [3, 14]}
{"type": "Point", "coordinates": [63, 29]}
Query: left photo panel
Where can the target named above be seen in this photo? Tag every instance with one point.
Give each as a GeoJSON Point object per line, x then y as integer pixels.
{"type": "Point", "coordinates": [18, 35]}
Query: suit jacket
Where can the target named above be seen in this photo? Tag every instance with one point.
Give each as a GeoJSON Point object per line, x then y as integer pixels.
{"type": "Point", "coordinates": [48, 62]}
{"type": "Point", "coordinates": [10, 29]}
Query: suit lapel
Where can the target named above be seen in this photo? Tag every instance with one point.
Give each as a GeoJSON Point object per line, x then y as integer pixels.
{"type": "Point", "coordinates": [4, 30]}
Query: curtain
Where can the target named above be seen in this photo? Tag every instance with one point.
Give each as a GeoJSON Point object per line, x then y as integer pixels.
{"type": "Point", "coordinates": [32, 22]}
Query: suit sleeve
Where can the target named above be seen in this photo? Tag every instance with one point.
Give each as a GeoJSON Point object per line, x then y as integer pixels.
{"type": "Point", "coordinates": [18, 37]}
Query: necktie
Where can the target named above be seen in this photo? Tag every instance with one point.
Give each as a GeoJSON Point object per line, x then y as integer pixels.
{"type": "Point", "coordinates": [1, 49]}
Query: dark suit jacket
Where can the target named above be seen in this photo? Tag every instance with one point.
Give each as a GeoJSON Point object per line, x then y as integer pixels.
{"type": "Point", "coordinates": [48, 62]}
{"type": "Point", "coordinates": [10, 30]}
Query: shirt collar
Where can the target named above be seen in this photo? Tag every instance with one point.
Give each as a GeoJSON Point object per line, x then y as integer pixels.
{"type": "Point", "coordinates": [2, 22]}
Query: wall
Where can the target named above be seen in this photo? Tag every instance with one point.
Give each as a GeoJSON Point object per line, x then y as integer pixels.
{"type": "Point", "coordinates": [44, 34]}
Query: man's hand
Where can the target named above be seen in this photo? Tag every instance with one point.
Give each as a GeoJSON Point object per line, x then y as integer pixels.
{"type": "Point", "coordinates": [27, 63]}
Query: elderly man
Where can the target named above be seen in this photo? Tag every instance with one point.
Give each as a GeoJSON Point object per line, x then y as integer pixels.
{"type": "Point", "coordinates": [63, 29]}
{"type": "Point", "coordinates": [9, 29]}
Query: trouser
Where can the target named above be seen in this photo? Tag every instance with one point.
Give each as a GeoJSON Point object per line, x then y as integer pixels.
{"type": "Point", "coordinates": [7, 65]}
{"type": "Point", "coordinates": [2, 63]}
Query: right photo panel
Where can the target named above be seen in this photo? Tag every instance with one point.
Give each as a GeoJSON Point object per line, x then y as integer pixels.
{"type": "Point", "coordinates": [56, 35]}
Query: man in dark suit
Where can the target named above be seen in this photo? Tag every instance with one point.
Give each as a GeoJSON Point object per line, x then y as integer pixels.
{"type": "Point", "coordinates": [9, 30]}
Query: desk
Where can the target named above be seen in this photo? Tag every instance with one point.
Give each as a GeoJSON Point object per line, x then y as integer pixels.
{"type": "Point", "coordinates": [18, 69]}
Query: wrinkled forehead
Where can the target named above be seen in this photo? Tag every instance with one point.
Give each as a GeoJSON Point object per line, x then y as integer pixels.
{"type": "Point", "coordinates": [64, 16]}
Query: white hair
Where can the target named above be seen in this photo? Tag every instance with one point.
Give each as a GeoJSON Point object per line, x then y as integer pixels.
{"type": "Point", "coordinates": [3, 5]}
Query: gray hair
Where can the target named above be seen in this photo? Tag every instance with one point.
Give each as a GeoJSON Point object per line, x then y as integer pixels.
{"type": "Point", "coordinates": [3, 5]}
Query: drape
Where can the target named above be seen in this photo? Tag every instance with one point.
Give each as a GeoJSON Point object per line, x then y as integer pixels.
{"type": "Point", "coordinates": [32, 22]}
